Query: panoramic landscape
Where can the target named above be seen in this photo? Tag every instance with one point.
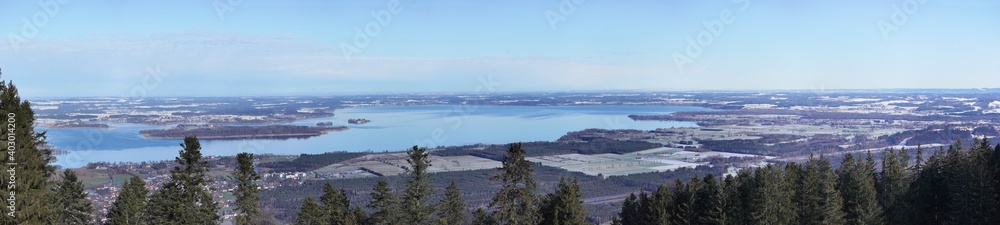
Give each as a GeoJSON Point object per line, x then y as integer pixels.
{"type": "Point", "coordinates": [500, 113]}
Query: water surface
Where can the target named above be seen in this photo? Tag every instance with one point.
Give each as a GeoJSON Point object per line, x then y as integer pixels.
{"type": "Point", "coordinates": [392, 128]}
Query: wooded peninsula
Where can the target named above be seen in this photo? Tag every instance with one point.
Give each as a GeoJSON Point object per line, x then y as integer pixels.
{"type": "Point", "coordinates": [209, 132]}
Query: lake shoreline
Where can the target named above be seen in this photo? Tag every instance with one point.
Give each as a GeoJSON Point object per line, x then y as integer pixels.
{"type": "Point", "coordinates": [211, 132]}
{"type": "Point", "coordinates": [398, 128]}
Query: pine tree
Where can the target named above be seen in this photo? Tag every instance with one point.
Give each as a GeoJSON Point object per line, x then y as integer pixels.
{"type": "Point", "coordinates": [771, 191]}
{"type": "Point", "coordinates": [856, 185]}
{"type": "Point", "coordinates": [817, 198]}
{"type": "Point", "coordinates": [384, 206]}
{"type": "Point", "coordinates": [682, 202]}
{"type": "Point", "coordinates": [709, 204]}
{"type": "Point", "coordinates": [918, 164]}
{"type": "Point", "coordinates": [739, 197]}
{"type": "Point", "coordinates": [72, 200]}
{"type": "Point", "coordinates": [184, 199]}
{"type": "Point", "coordinates": [415, 206]}
{"type": "Point", "coordinates": [356, 216]}
{"type": "Point", "coordinates": [969, 179]}
{"type": "Point", "coordinates": [310, 213]}
{"type": "Point", "coordinates": [928, 195]}
{"type": "Point", "coordinates": [129, 208]}
{"type": "Point", "coordinates": [34, 191]}
{"type": "Point", "coordinates": [658, 207]}
{"type": "Point", "coordinates": [247, 197]}
{"type": "Point", "coordinates": [515, 203]}
{"type": "Point", "coordinates": [565, 206]}
{"type": "Point", "coordinates": [336, 206]}
{"type": "Point", "coordinates": [164, 205]}
{"type": "Point", "coordinates": [480, 217]}
{"type": "Point", "coordinates": [452, 208]}
{"type": "Point", "coordinates": [644, 207]}
{"type": "Point", "coordinates": [995, 168]}
{"type": "Point", "coordinates": [630, 213]}
{"type": "Point", "coordinates": [985, 205]}
{"type": "Point", "coordinates": [893, 181]}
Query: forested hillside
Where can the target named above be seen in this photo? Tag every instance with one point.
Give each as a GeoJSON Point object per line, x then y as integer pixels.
{"type": "Point", "coordinates": [957, 185]}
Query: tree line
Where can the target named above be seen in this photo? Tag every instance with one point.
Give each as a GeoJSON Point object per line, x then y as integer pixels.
{"type": "Point", "coordinates": [957, 185]}
{"type": "Point", "coordinates": [515, 203]}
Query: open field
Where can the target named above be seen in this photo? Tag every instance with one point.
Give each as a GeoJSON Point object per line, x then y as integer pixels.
{"type": "Point", "coordinates": [652, 160]}
{"type": "Point", "coordinates": [734, 132]}
{"type": "Point", "coordinates": [94, 178]}
{"type": "Point", "coordinates": [810, 130]}
{"type": "Point", "coordinates": [395, 163]}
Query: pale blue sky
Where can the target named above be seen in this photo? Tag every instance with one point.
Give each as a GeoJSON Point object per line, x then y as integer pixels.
{"type": "Point", "coordinates": [103, 48]}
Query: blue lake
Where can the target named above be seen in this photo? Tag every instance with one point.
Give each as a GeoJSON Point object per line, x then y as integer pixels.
{"type": "Point", "coordinates": [392, 128]}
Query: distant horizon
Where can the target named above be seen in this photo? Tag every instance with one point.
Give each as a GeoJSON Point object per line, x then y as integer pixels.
{"type": "Point", "coordinates": [832, 91]}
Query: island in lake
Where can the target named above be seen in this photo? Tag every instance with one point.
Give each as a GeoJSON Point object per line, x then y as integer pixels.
{"type": "Point", "coordinates": [324, 124]}
{"type": "Point", "coordinates": [208, 132]}
{"type": "Point", "coordinates": [358, 121]}
{"type": "Point", "coordinates": [79, 124]}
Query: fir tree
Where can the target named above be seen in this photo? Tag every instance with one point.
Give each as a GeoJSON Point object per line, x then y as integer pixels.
{"type": "Point", "coordinates": [856, 185]}
{"type": "Point", "coordinates": [184, 199]}
{"type": "Point", "coordinates": [738, 196]}
{"type": "Point", "coordinates": [681, 205]}
{"type": "Point", "coordinates": [893, 180]}
{"type": "Point", "coordinates": [631, 213]}
{"type": "Point", "coordinates": [129, 207]}
{"type": "Point", "coordinates": [658, 207]}
{"type": "Point", "coordinates": [515, 203]}
{"type": "Point", "coordinates": [644, 207]}
{"type": "Point", "coordinates": [336, 206]}
{"type": "Point", "coordinates": [356, 216]}
{"type": "Point", "coordinates": [928, 195]}
{"type": "Point", "coordinates": [310, 213]}
{"type": "Point", "coordinates": [817, 198]}
{"type": "Point", "coordinates": [918, 164]}
{"type": "Point", "coordinates": [247, 197]}
{"type": "Point", "coordinates": [74, 207]}
{"type": "Point", "coordinates": [384, 206]}
{"type": "Point", "coordinates": [415, 206]}
{"type": "Point", "coordinates": [481, 217]}
{"type": "Point", "coordinates": [771, 193]}
{"type": "Point", "coordinates": [994, 164]}
{"type": "Point", "coordinates": [452, 208]}
{"type": "Point", "coordinates": [34, 191]}
{"type": "Point", "coordinates": [985, 206]}
{"type": "Point", "coordinates": [709, 204]}
{"type": "Point", "coordinates": [565, 206]}
{"type": "Point", "coordinates": [969, 178]}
